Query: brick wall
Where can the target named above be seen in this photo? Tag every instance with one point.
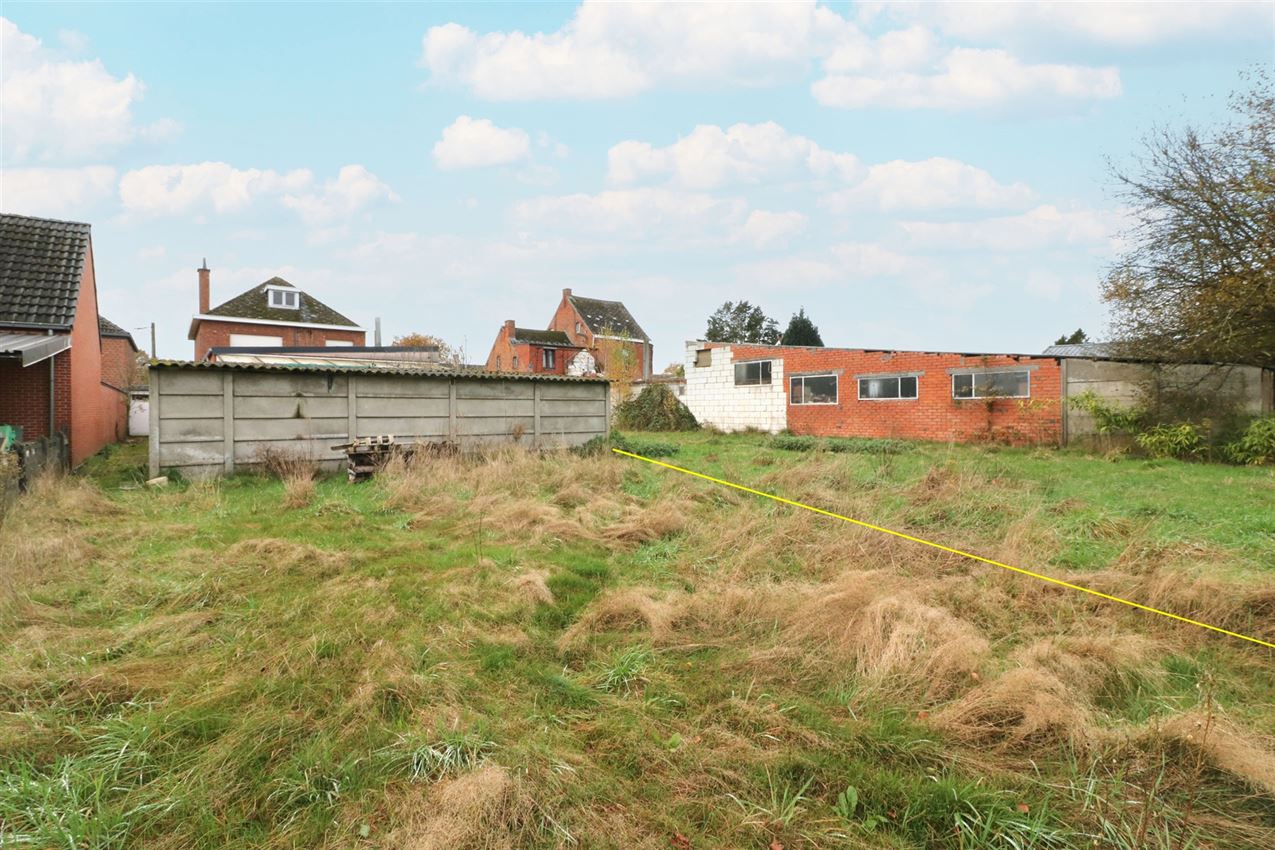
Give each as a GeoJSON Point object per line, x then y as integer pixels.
{"type": "Point", "coordinates": [118, 362]}
{"type": "Point", "coordinates": [99, 414]}
{"type": "Point", "coordinates": [933, 415]}
{"type": "Point", "coordinates": [215, 334]}
{"type": "Point", "coordinates": [24, 396]}
{"type": "Point", "coordinates": [567, 319]}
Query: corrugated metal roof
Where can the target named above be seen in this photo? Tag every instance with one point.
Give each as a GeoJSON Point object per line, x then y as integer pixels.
{"type": "Point", "coordinates": [436, 371]}
{"type": "Point", "coordinates": [1080, 349]}
{"type": "Point", "coordinates": [33, 348]}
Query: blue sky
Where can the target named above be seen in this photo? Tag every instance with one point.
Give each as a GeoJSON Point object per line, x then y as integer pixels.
{"type": "Point", "coordinates": [915, 175]}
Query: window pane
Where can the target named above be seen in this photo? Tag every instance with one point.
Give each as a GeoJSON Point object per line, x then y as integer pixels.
{"type": "Point", "coordinates": [907, 387]}
{"type": "Point", "coordinates": [741, 374]}
{"type": "Point", "coordinates": [795, 395]}
{"type": "Point", "coordinates": [963, 386]}
{"type": "Point", "coordinates": [879, 388]}
{"type": "Point", "coordinates": [1003, 384]}
{"type": "Point", "coordinates": [821, 389]}
{"type": "Point", "coordinates": [763, 372]}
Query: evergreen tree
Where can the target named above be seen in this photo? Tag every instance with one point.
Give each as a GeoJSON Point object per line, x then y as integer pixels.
{"type": "Point", "coordinates": [1074, 338]}
{"type": "Point", "coordinates": [801, 331]}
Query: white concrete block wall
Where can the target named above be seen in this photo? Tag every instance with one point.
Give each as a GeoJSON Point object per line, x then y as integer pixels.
{"type": "Point", "coordinates": [712, 396]}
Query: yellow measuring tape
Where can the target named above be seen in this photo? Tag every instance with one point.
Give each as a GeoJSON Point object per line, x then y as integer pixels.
{"type": "Point", "coordinates": [943, 548]}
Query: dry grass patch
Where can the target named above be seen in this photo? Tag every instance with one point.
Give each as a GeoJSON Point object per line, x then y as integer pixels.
{"type": "Point", "coordinates": [485, 809]}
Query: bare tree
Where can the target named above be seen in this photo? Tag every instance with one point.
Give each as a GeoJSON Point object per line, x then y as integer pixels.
{"type": "Point", "coordinates": [1198, 280]}
{"type": "Point", "coordinates": [447, 354]}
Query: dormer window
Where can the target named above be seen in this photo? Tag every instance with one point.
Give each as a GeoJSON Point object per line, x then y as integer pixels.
{"type": "Point", "coordinates": [284, 299]}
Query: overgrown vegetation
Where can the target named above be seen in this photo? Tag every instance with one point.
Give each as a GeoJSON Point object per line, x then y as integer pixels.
{"type": "Point", "coordinates": [656, 408]}
{"type": "Point", "coordinates": [518, 650]}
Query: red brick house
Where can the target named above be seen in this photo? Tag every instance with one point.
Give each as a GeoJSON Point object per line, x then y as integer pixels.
{"type": "Point", "coordinates": [119, 355]}
{"type": "Point", "coordinates": [52, 377]}
{"type": "Point", "coordinates": [273, 313]}
{"type": "Point", "coordinates": [606, 329]}
{"type": "Point", "coordinates": [851, 392]}
{"type": "Point", "coordinates": [526, 350]}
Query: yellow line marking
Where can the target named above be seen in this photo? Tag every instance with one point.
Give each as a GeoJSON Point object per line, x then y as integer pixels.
{"type": "Point", "coordinates": [940, 546]}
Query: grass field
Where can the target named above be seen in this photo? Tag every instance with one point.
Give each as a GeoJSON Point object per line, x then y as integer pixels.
{"type": "Point", "coordinates": [590, 652]}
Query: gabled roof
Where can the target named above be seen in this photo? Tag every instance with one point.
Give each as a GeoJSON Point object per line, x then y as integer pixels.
{"type": "Point", "coordinates": [255, 304]}
{"type": "Point", "coordinates": [610, 318]}
{"type": "Point", "coordinates": [41, 265]}
{"type": "Point", "coordinates": [108, 329]}
{"type": "Point", "coordinates": [535, 337]}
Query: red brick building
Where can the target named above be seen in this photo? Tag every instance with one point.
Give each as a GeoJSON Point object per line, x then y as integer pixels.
{"type": "Point", "coordinates": [527, 350]}
{"type": "Point", "coordinates": [120, 367]}
{"type": "Point", "coordinates": [52, 377]}
{"type": "Point", "coordinates": [274, 313]}
{"type": "Point", "coordinates": [848, 392]}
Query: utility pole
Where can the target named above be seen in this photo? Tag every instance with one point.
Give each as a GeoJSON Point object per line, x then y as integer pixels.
{"type": "Point", "coordinates": [154, 353]}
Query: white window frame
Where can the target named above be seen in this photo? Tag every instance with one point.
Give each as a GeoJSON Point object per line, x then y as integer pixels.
{"type": "Point", "coordinates": [279, 298]}
{"type": "Point", "coordinates": [836, 396]}
{"type": "Point", "coordinates": [974, 376]}
{"type": "Point", "coordinates": [899, 378]}
{"type": "Point", "coordinates": [760, 383]}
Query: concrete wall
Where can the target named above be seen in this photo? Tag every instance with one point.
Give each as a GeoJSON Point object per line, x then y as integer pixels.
{"type": "Point", "coordinates": [1121, 383]}
{"type": "Point", "coordinates": [712, 396]}
{"type": "Point", "coordinates": [213, 421]}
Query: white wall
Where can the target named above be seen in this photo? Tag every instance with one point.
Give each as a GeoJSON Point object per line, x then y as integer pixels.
{"type": "Point", "coordinates": [712, 396]}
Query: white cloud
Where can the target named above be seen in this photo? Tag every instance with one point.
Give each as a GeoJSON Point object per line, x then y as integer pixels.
{"type": "Point", "coordinates": [869, 259]}
{"type": "Point", "coordinates": [61, 109]}
{"type": "Point", "coordinates": [635, 213]}
{"type": "Point", "coordinates": [969, 78]}
{"type": "Point", "coordinates": [171, 189]}
{"type": "Point", "coordinates": [55, 191]}
{"type": "Point", "coordinates": [1043, 227]}
{"type": "Point", "coordinates": [353, 189]}
{"type": "Point", "coordinates": [936, 183]}
{"type": "Point", "coordinates": [744, 153]}
{"type": "Point", "coordinates": [766, 229]}
{"type": "Point", "coordinates": [168, 189]}
{"type": "Point", "coordinates": [620, 49]}
{"type": "Point", "coordinates": [1119, 24]}
{"type": "Point", "coordinates": [476, 143]}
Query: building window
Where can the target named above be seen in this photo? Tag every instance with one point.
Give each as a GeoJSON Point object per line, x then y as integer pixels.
{"type": "Point", "coordinates": [547, 358]}
{"type": "Point", "coordinates": [752, 374]}
{"type": "Point", "coordinates": [515, 362]}
{"type": "Point", "coordinates": [1008, 384]}
{"type": "Point", "coordinates": [498, 364]}
{"type": "Point", "coordinates": [704, 357]}
{"type": "Point", "coordinates": [579, 329]}
{"type": "Point", "coordinates": [286, 299]}
{"type": "Point", "coordinates": [813, 389]}
{"type": "Point", "coordinates": [894, 386]}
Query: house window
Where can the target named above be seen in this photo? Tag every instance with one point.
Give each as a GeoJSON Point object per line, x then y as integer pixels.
{"type": "Point", "coordinates": [704, 357]}
{"type": "Point", "coordinates": [547, 358]}
{"type": "Point", "coordinates": [286, 299]}
{"type": "Point", "coordinates": [893, 386]}
{"type": "Point", "coordinates": [255, 341]}
{"type": "Point", "coordinates": [579, 329]}
{"type": "Point", "coordinates": [497, 362]}
{"type": "Point", "coordinates": [1008, 384]}
{"type": "Point", "coordinates": [752, 374]}
{"type": "Point", "coordinates": [813, 389]}
{"type": "Point", "coordinates": [515, 362]}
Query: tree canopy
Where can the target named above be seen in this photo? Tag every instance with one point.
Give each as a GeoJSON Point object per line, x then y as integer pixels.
{"type": "Point", "coordinates": [446, 353]}
{"type": "Point", "coordinates": [801, 331]}
{"type": "Point", "coordinates": [1198, 280]}
{"type": "Point", "coordinates": [1074, 338]}
{"type": "Point", "coordinates": [741, 322]}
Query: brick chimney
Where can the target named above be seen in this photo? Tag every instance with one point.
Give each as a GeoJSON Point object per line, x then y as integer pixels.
{"type": "Point", "coordinates": [566, 293]}
{"type": "Point", "coordinates": [204, 286]}
{"type": "Point", "coordinates": [509, 328]}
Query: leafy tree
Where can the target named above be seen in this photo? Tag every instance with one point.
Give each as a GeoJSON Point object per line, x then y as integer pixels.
{"type": "Point", "coordinates": [1198, 281]}
{"type": "Point", "coordinates": [801, 331]}
{"type": "Point", "coordinates": [446, 353]}
{"type": "Point", "coordinates": [741, 322]}
{"type": "Point", "coordinates": [1076, 337]}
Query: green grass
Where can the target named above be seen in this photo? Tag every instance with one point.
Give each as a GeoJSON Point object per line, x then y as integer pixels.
{"type": "Point", "coordinates": [169, 680]}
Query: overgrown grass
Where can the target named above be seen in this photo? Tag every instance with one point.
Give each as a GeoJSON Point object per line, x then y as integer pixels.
{"type": "Point", "coordinates": [515, 651]}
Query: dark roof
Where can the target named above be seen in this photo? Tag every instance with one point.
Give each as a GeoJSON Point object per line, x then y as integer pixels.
{"type": "Point", "coordinates": [255, 304]}
{"type": "Point", "coordinates": [107, 328]}
{"type": "Point", "coordinates": [553, 338]}
{"type": "Point", "coordinates": [1081, 349]}
{"type": "Point", "coordinates": [609, 317]}
{"type": "Point", "coordinates": [431, 370]}
{"type": "Point", "coordinates": [41, 265]}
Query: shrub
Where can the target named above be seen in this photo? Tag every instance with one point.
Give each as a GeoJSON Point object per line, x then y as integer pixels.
{"type": "Point", "coordinates": [1256, 445]}
{"type": "Point", "coordinates": [655, 409]}
{"type": "Point", "coordinates": [1109, 418]}
{"type": "Point", "coordinates": [1180, 440]}
{"type": "Point", "coordinates": [790, 443]}
{"type": "Point", "coordinates": [646, 448]}
{"type": "Point", "coordinates": [866, 445]}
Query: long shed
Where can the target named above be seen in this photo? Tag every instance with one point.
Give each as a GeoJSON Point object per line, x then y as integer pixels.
{"type": "Point", "coordinates": [210, 419]}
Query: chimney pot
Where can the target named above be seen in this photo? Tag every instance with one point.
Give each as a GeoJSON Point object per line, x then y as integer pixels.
{"type": "Point", "coordinates": [566, 293]}
{"type": "Point", "coordinates": [204, 287]}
